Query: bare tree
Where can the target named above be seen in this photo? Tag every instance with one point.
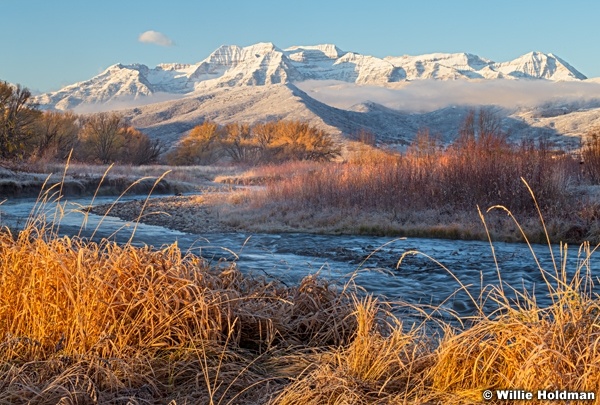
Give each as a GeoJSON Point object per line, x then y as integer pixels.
{"type": "Point", "coordinates": [590, 154]}
{"type": "Point", "coordinates": [481, 129]}
{"type": "Point", "coordinates": [17, 117]}
{"type": "Point", "coordinates": [138, 148]}
{"type": "Point", "coordinates": [101, 137]}
{"type": "Point", "coordinates": [56, 134]}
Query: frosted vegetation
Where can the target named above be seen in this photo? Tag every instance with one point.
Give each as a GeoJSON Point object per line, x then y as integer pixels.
{"type": "Point", "coordinates": [86, 322]}
{"type": "Point", "coordinates": [314, 182]}
{"type": "Point", "coordinates": [111, 324]}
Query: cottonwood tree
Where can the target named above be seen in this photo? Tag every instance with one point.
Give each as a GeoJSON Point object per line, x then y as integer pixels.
{"type": "Point", "coordinates": [101, 138]}
{"type": "Point", "coordinates": [137, 148]}
{"type": "Point", "coordinates": [199, 146]}
{"type": "Point", "coordinates": [265, 135]}
{"type": "Point", "coordinates": [261, 143]}
{"type": "Point", "coordinates": [18, 114]}
{"type": "Point", "coordinates": [56, 134]}
{"type": "Point", "coordinates": [239, 144]}
{"type": "Point", "coordinates": [295, 140]}
{"type": "Point", "coordinates": [301, 141]}
{"type": "Point", "coordinates": [106, 138]}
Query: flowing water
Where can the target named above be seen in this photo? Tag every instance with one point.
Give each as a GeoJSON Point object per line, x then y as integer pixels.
{"type": "Point", "coordinates": [445, 273]}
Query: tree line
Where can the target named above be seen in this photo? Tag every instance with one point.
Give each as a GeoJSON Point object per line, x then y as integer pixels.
{"type": "Point", "coordinates": [261, 143]}
{"type": "Point", "coordinates": [28, 133]}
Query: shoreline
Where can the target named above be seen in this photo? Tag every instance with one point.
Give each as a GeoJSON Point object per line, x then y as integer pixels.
{"type": "Point", "coordinates": [223, 208]}
{"type": "Point", "coordinates": [224, 212]}
{"type": "Point", "coordinates": [182, 213]}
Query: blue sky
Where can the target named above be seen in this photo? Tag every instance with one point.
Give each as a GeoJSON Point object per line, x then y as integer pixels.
{"type": "Point", "coordinates": [48, 44]}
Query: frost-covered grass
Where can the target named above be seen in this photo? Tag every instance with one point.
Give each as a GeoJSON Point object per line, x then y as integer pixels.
{"type": "Point", "coordinates": [187, 174]}
{"type": "Point", "coordinates": [423, 194]}
{"type": "Point", "coordinates": [83, 179]}
{"type": "Point", "coordinates": [87, 323]}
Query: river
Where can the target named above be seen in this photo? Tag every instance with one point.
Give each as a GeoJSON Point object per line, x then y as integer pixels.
{"type": "Point", "coordinates": [444, 273]}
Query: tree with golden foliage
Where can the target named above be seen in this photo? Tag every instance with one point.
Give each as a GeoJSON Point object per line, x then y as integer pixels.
{"type": "Point", "coordinates": [300, 141]}
{"type": "Point", "coordinates": [239, 144]}
{"type": "Point", "coordinates": [261, 143]}
{"type": "Point", "coordinates": [199, 146]}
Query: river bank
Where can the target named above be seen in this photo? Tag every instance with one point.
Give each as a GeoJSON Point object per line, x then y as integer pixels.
{"type": "Point", "coordinates": [153, 325]}
{"type": "Point", "coordinates": [248, 206]}
{"type": "Point", "coordinates": [222, 210]}
{"type": "Point", "coordinates": [16, 184]}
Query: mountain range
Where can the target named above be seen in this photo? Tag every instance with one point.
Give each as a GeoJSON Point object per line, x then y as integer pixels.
{"type": "Point", "coordinates": [313, 83]}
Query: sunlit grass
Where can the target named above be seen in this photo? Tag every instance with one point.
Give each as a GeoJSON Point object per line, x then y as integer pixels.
{"type": "Point", "coordinates": [97, 322]}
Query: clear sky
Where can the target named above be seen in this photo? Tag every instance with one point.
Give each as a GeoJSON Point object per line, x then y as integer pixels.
{"type": "Point", "coordinates": [47, 44]}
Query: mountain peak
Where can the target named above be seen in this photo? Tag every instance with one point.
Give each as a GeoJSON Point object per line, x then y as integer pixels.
{"type": "Point", "coordinates": [540, 65]}
{"type": "Point", "coordinates": [329, 50]}
{"type": "Point", "coordinates": [265, 64]}
{"type": "Point", "coordinates": [262, 47]}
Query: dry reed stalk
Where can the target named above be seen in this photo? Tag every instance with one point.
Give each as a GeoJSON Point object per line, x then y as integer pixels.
{"type": "Point", "coordinates": [85, 322]}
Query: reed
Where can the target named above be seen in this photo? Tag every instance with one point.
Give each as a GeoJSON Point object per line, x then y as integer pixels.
{"type": "Point", "coordinates": [100, 323]}
{"type": "Point", "coordinates": [426, 193]}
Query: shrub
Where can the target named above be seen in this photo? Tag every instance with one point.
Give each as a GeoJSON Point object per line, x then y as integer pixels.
{"type": "Point", "coordinates": [261, 143]}
{"type": "Point", "coordinates": [480, 168]}
{"type": "Point", "coordinates": [590, 154]}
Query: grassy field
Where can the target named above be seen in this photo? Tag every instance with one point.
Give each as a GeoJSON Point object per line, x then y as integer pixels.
{"type": "Point", "coordinates": [424, 193]}
{"type": "Point", "coordinates": [100, 323]}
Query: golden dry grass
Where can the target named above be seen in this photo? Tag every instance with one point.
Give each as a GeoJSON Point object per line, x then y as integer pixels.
{"type": "Point", "coordinates": [99, 323]}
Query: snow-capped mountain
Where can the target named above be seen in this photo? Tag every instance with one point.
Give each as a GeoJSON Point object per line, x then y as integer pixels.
{"type": "Point", "coordinates": [537, 95]}
{"type": "Point", "coordinates": [265, 64]}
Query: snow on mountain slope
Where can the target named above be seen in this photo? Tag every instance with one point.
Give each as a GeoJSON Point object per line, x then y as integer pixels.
{"type": "Point", "coordinates": [343, 92]}
{"type": "Point", "coordinates": [256, 65]}
{"type": "Point", "coordinates": [119, 82]}
{"type": "Point", "coordinates": [169, 120]}
{"type": "Point", "coordinates": [265, 64]}
{"type": "Point", "coordinates": [442, 66]}
{"type": "Point", "coordinates": [536, 65]}
{"type": "Point", "coordinates": [566, 120]}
